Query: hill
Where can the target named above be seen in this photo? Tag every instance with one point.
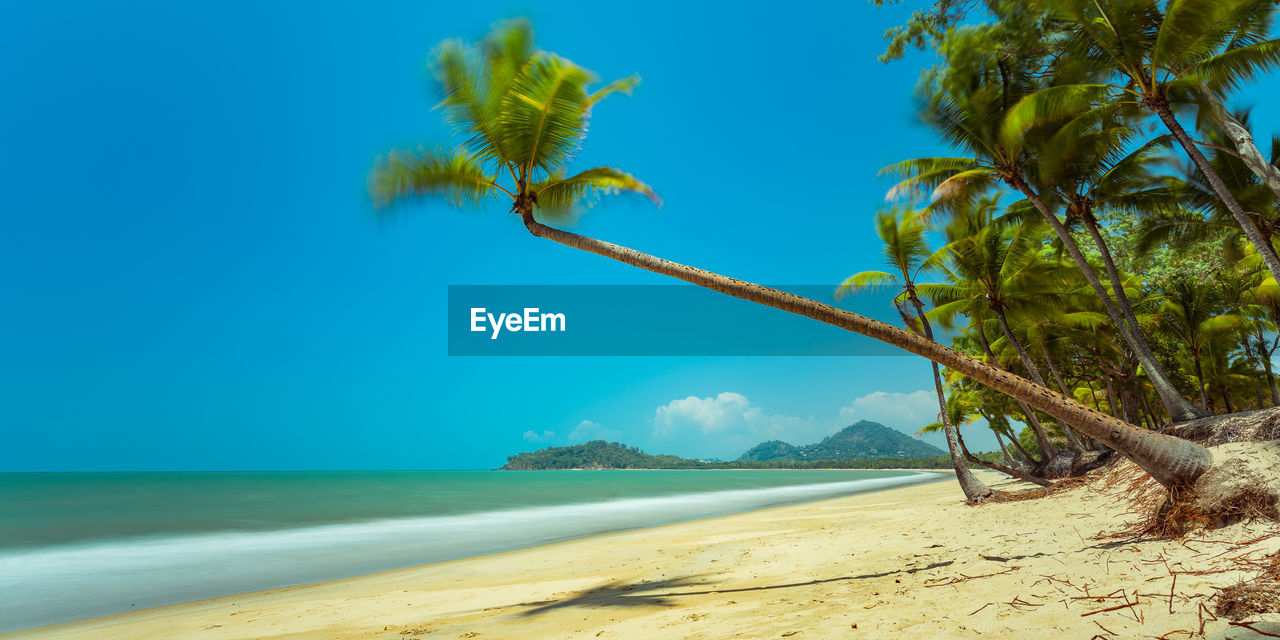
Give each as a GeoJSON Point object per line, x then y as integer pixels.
{"type": "Point", "coordinates": [771, 450]}
{"type": "Point", "coordinates": [597, 454]}
{"type": "Point", "coordinates": [863, 440]}
{"type": "Point", "coordinates": [865, 445]}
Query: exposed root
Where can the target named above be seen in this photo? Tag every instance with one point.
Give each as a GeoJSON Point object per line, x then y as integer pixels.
{"type": "Point", "coordinates": [1163, 513]}
{"type": "Point", "coordinates": [1061, 485]}
{"type": "Point", "coordinates": [1246, 598]}
{"type": "Point", "coordinates": [1246, 507]}
{"type": "Point", "coordinates": [1246, 426]}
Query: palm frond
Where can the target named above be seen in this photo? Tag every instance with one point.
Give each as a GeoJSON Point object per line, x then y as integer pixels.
{"type": "Point", "coordinates": [558, 196]}
{"type": "Point", "coordinates": [1226, 71]}
{"type": "Point", "coordinates": [457, 176]}
{"type": "Point", "coordinates": [866, 281]}
{"type": "Point", "coordinates": [545, 114]}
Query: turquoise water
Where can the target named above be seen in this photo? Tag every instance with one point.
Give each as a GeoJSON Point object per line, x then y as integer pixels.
{"type": "Point", "coordinates": [76, 545]}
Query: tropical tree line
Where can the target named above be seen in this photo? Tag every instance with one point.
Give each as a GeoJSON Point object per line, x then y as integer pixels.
{"type": "Point", "coordinates": [1092, 284]}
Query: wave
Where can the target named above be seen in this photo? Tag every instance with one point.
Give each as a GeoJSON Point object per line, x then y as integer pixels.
{"type": "Point", "coordinates": [58, 584]}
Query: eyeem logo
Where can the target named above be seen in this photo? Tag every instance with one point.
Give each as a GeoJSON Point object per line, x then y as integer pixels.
{"type": "Point", "coordinates": [531, 320]}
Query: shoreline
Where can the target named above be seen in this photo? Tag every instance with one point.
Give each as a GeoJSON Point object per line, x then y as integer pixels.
{"type": "Point", "coordinates": [903, 562]}
{"type": "Point", "coordinates": [85, 580]}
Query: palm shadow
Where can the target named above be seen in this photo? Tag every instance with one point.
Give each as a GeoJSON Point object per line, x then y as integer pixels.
{"type": "Point", "coordinates": [619, 593]}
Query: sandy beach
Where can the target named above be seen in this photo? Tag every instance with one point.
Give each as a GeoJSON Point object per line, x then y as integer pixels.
{"type": "Point", "coordinates": [912, 562]}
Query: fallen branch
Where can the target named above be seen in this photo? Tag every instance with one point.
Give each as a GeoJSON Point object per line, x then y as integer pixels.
{"type": "Point", "coordinates": [1249, 626]}
{"type": "Point", "coordinates": [965, 578]}
{"type": "Point", "coordinates": [1115, 608]}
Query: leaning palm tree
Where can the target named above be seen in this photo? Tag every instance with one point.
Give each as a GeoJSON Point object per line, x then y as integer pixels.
{"type": "Point", "coordinates": [907, 253]}
{"type": "Point", "coordinates": [987, 107]}
{"type": "Point", "coordinates": [525, 114]}
{"type": "Point", "coordinates": [995, 265]}
{"type": "Point", "coordinates": [1162, 56]}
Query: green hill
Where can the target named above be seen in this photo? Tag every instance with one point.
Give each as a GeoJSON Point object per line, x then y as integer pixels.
{"type": "Point", "coordinates": [771, 450]}
{"type": "Point", "coordinates": [864, 440]}
{"type": "Point", "coordinates": [597, 454]}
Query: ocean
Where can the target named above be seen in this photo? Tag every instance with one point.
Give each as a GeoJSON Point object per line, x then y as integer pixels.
{"type": "Point", "coordinates": [78, 545]}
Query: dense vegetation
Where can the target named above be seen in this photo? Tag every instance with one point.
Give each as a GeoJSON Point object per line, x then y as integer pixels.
{"type": "Point", "coordinates": [863, 440]}
{"type": "Point", "coordinates": [599, 454]}
{"type": "Point", "coordinates": [1100, 242]}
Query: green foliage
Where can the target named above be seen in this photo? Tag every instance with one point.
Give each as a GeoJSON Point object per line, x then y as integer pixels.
{"type": "Point", "coordinates": [599, 454]}
{"type": "Point", "coordinates": [863, 440]}
{"type": "Point", "coordinates": [523, 115]}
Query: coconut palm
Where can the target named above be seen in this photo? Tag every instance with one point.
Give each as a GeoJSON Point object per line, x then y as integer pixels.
{"type": "Point", "coordinates": [1206, 217]}
{"type": "Point", "coordinates": [996, 264]}
{"type": "Point", "coordinates": [983, 105]}
{"type": "Point", "coordinates": [525, 114]}
{"type": "Point", "coordinates": [1161, 56]}
{"type": "Point", "coordinates": [1190, 315]}
{"type": "Point", "coordinates": [907, 253]}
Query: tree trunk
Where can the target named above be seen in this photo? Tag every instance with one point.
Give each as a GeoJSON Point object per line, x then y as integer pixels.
{"type": "Point", "coordinates": [1053, 369]}
{"type": "Point", "coordinates": [1026, 455]}
{"type": "Point", "coordinates": [1170, 461]}
{"type": "Point", "coordinates": [1113, 400]}
{"type": "Point", "coordinates": [1243, 141]}
{"type": "Point", "coordinates": [974, 489]}
{"type": "Point", "coordinates": [1029, 416]}
{"type": "Point", "coordinates": [1204, 398]}
{"type": "Point", "coordinates": [1003, 469]}
{"type": "Point", "coordinates": [1271, 380]}
{"type": "Point", "coordinates": [1268, 252]}
{"type": "Point", "coordinates": [1004, 448]}
{"type": "Point", "coordinates": [1030, 366]}
{"type": "Point", "coordinates": [1257, 380]}
{"type": "Point", "coordinates": [1174, 403]}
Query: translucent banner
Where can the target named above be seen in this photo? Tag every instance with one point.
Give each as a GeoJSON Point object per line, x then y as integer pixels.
{"type": "Point", "coordinates": [651, 320]}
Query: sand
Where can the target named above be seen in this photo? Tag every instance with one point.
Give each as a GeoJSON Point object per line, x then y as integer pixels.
{"type": "Point", "coordinates": [912, 562]}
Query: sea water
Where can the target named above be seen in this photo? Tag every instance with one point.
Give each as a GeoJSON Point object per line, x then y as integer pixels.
{"type": "Point", "coordinates": [77, 545]}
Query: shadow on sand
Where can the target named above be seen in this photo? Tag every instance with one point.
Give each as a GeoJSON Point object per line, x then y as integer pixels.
{"type": "Point", "coordinates": [660, 594]}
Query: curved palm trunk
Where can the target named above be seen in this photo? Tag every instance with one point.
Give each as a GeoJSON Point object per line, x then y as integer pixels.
{"type": "Point", "coordinates": [1010, 471]}
{"type": "Point", "coordinates": [1171, 461]}
{"type": "Point", "coordinates": [1047, 450]}
{"type": "Point", "coordinates": [1268, 252]}
{"type": "Point", "coordinates": [1053, 369]}
{"type": "Point", "coordinates": [1175, 404]}
{"type": "Point", "coordinates": [974, 489]}
{"type": "Point", "coordinates": [1004, 449]}
{"type": "Point", "coordinates": [1169, 396]}
{"type": "Point", "coordinates": [1243, 141]}
{"type": "Point", "coordinates": [1034, 370]}
{"type": "Point", "coordinates": [1026, 455]}
{"type": "Point", "coordinates": [1271, 381]}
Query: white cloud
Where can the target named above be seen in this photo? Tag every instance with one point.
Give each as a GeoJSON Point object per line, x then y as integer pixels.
{"type": "Point", "coordinates": [905, 412]}
{"type": "Point", "coordinates": [534, 436]}
{"type": "Point", "coordinates": [725, 426]}
{"type": "Point", "coordinates": [706, 414]}
{"type": "Point", "coordinates": [588, 430]}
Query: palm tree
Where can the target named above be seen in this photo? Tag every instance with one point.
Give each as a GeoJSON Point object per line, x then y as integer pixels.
{"type": "Point", "coordinates": [1083, 164]}
{"type": "Point", "coordinates": [1190, 314]}
{"type": "Point", "coordinates": [1161, 58]}
{"type": "Point", "coordinates": [907, 253]}
{"type": "Point", "coordinates": [525, 113]}
{"type": "Point", "coordinates": [1208, 219]}
{"type": "Point", "coordinates": [986, 106]}
{"type": "Point", "coordinates": [994, 265]}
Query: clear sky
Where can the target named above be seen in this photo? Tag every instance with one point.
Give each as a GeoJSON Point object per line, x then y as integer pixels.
{"type": "Point", "coordinates": [191, 276]}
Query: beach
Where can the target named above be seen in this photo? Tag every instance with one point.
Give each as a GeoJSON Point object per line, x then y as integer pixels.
{"type": "Point", "coordinates": [910, 562]}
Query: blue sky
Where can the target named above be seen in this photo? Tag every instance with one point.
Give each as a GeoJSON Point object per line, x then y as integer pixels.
{"type": "Point", "coordinates": [192, 276]}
